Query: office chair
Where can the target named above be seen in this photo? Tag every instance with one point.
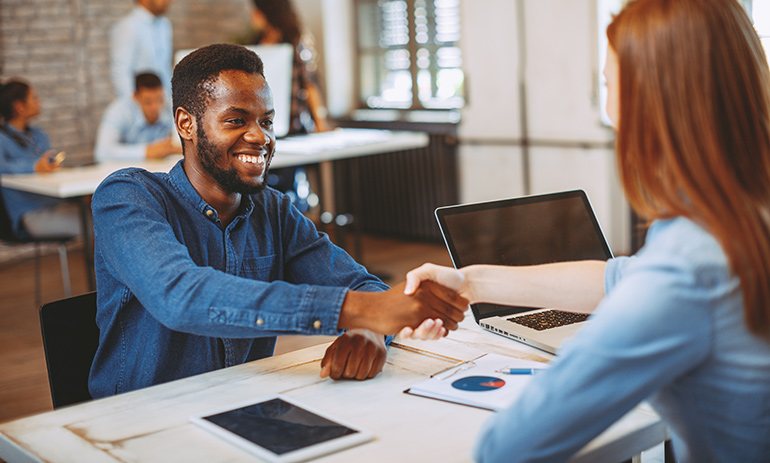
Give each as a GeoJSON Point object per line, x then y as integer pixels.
{"type": "Point", "coordinates": [8, 235]}
{"type": "Point", "coordinates": [70, 339]}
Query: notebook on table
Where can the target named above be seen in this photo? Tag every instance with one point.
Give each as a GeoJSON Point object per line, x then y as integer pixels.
{"type": "Point", "coordinates": [531, 230]}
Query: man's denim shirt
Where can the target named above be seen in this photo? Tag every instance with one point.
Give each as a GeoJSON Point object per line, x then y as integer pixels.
{"type": "Point", "coordinates": [179, 294]}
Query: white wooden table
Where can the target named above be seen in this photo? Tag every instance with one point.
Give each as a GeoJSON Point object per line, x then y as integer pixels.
{"type": "Point", "coordinates": [152, 425]}
{"type": "Point", "coordinates": [71, 182]}
{"type": "Point", "coordinates": [81, 182]}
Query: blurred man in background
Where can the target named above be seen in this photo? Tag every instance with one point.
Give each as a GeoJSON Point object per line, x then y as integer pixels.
{"type": "Point", "coordinates": [141, 42]}
{"type": "Point", "coordinates": [138, 127]}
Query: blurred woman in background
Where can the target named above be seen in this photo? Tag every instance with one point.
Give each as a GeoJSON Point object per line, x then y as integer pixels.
{"type": "Point", "coordinates": [25, 149]}
{"type": "Point", "coordinates": [275, 21]}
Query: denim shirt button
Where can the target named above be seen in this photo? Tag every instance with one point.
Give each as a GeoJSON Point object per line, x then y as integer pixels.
{"type": "Point", "coordinates": [317, 324]}
{"type": "Point", "coordinates": [209, 213]}
{"type": "Point", "coordinates": [260, 322]}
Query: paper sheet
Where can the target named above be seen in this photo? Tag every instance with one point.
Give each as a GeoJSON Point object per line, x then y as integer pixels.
{"type": "Point", "coordinates": [478, 383]}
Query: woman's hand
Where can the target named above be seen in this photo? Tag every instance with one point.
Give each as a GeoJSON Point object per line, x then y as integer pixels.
{"type": "Point", "coordinates": [445, 276]}
{"type": "Point", "coordinates": [450, 278]}
{"type": "Point", "coordinates": [429, 330]}
{"type": "Point", "coordinates": [388, 312]}
{"type": "Point", "coordinates": [47, 163]}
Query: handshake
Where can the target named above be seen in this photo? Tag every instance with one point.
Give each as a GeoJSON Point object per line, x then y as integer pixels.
{"type": "Point", "coordinates": [422, 307]}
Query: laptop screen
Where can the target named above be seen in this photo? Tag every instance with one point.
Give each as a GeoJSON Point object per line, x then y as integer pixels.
{"type": "Point", "coordinates": [531, 230]}
{"type": "Point", "coordinates": [278, 62]}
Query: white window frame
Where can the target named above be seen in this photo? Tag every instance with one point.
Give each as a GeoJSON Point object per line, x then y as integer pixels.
{"type": "Point", "coordinates": [416, 103]}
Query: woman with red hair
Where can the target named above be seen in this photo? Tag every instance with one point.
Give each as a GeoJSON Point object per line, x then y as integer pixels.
{"type": "Point", "coordinates": [685, 323]}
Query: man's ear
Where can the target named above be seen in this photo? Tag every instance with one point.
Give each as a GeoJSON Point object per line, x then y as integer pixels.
{"type": "Point", "coordinates": [185, 124]}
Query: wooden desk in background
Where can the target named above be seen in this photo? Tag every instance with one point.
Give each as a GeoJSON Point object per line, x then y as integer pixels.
{"type": "Point", "coordinates": [81, 182]}
{"type": "Point", "coordinates": [152, 425]}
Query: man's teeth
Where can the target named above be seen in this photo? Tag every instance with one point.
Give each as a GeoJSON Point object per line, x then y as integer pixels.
{"type": "Point", "coordinates": [252, 159]}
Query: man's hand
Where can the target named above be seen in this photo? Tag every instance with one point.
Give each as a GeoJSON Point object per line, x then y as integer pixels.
{"type": "Point", "coordinates": [388, 312]}
{"type": "Point", "coordinates": [358, 354]}
{"type": "Point", "coordinates": [162, 148]}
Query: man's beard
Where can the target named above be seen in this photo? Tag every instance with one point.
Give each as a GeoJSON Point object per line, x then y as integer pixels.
{"type": "Point", "coordinates": [228, 179]}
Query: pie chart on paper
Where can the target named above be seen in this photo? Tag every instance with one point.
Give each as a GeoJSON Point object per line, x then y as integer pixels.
{"type": "Point", "coordinates": [478, 383]}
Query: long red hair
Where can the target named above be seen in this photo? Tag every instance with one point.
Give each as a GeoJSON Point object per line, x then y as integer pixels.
{"type": "Point", "coordinates": [694, 129]}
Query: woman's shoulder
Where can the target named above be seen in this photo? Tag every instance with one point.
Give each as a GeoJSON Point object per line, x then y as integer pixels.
{"type": "Point", "coordinates": [37, 132]}
{"type": "Point", "coordinates": [681, 236]}
{"type": "Point", "coordinates": [10, 136]}
{"type": "Point", "coordinates": [680, 244]}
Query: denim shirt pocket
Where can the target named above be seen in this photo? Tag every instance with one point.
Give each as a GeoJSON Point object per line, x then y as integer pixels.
{"type": "Point", "coordinates": [260, 268]}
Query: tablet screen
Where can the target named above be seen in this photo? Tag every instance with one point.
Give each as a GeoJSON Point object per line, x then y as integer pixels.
{"type": "Point", "coordinates": [279, 426]}
{"type": "Point", "coordinates": [283, 428]}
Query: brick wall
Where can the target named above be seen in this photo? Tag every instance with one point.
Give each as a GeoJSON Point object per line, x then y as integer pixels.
{"type": "Point", "coordinates": [62, 48]}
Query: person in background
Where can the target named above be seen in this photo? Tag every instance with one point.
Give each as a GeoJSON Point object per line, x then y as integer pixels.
{"type": "Point", "coordinates": [140, 42]}
{"type": "Point", "coordinates": [138, 127]}
{"type": "Point", "coordinates": [25, 149]}
{"type": "Point", "coordinates": [276, 21]}
{"type": "Point", "coordinates": [685, 323]}
{"type": "Point", "coordinates": [201, 267]}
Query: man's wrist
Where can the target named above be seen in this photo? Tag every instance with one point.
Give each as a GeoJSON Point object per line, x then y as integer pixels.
{"type": "Point", "coordinates": [351, 313]}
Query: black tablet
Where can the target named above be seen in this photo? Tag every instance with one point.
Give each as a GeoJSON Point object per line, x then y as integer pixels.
{"type": "Point", "coordinates": [280, 430]}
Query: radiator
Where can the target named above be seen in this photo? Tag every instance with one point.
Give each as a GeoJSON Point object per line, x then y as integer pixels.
{"type": "Point", "coordinates": [396, 193]}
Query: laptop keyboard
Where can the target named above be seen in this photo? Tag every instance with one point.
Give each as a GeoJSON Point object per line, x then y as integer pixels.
{"type": "Point", "coordinates": [549, 319]}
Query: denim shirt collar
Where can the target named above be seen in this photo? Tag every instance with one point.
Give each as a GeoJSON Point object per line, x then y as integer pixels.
{"type": "Point", "coordinates": [180, 182]}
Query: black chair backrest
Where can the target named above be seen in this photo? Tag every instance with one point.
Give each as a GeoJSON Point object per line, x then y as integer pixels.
{"type": "Point", "coordinates": [70, 339]}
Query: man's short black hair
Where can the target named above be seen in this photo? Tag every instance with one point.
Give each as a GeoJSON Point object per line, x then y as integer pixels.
{"type": "Point", "coordinates": [147, 80]}
{"type": "Point", "coordinates": [189, 85]}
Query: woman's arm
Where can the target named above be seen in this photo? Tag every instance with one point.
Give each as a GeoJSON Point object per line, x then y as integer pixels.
{"type": "Point", "coordinates": [576, 286]}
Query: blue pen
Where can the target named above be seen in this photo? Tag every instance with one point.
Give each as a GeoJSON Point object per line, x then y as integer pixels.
{"type": "Point", "coordinates": [519, 371]}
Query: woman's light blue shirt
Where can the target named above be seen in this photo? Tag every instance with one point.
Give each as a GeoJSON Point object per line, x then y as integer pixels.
{"type": "Point", "coordinates": [670, 330]}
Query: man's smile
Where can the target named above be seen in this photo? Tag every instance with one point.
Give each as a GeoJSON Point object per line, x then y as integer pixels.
{"type": "Point", "coordinates": [253, 159]}
{"type": "Point", "coordinates": [248, 159]}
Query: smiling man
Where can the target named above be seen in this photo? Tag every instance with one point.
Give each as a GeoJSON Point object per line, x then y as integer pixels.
{"type": "Point", "coordinates": [200, 268]}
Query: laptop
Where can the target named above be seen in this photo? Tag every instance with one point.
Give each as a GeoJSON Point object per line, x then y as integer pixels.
{"type": "Point", "coordinates": [530, 230]}
{"type": "Point", "coordinates": [278, 61]}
